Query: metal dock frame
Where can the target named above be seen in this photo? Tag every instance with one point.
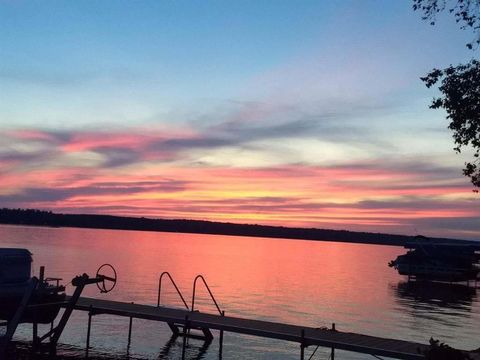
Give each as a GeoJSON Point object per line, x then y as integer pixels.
{"type": "Point", "coordinates": [17, 317]}
{"type": "Point", "coordinates": [54, 334]}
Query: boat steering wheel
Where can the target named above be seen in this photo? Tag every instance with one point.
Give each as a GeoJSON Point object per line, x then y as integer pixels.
{"type": "Point", "coordinates": [106, 283]}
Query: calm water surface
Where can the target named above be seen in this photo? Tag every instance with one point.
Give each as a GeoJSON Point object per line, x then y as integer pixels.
{"type": "Point", "coordinates": [294, 281]}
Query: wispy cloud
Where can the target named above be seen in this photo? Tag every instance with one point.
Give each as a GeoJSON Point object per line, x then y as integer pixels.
{"type": "Point", "coordinates": [328, 172]}
{"type": "Point", "coordinates": [49, 195]}
{"type": "Point", "coordinates": [395, 196]}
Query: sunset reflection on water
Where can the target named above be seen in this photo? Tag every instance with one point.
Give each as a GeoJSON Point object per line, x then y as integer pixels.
{"type": "Point", "coordinates": [312, 283]}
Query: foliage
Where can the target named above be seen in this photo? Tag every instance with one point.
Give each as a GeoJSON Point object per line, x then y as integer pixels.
{"type": "Point", "coordinates": [466, 12]}
{"type": "Point", "coordinates": [460, 87]}
{"type": "Point", "coordinates": [441, 351]}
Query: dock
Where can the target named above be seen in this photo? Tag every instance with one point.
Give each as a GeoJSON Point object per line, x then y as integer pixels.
{"type": "Point", "coordinates": [187, 322]}
{"type": "Point", "coordinates": [303, 335]}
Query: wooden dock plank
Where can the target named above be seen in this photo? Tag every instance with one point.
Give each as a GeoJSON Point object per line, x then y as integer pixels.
{"type": "Point", "coordinates": [366, 344]}
{"type": "Point", "coordinates": [327, 338]}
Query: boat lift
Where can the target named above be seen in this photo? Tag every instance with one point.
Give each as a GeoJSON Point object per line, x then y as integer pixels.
{"type": "Point", "coordinates": [104, 283]}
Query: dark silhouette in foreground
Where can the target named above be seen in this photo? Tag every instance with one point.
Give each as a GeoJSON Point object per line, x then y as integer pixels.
{"type": "Point", "coordinates": [441, 351]}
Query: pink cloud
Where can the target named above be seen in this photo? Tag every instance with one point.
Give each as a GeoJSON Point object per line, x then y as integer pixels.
{"type": "Point", "coordinates": [31, 134]}
{"type": "Point", "coordinates": [371, 195]}
{"type": "Point", "coordinates": [85, 141]}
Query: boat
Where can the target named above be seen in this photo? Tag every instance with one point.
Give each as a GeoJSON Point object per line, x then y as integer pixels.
{"type": "Point", "coordinates": [15, 278]}
{"type": "Point", "coordinates": [429, 260]}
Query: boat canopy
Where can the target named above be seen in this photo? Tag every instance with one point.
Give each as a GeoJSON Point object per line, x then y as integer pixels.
{"type": "Point", "coordinates": [450, 246]}
{"type": "Point", "coordinates": [15, 265]}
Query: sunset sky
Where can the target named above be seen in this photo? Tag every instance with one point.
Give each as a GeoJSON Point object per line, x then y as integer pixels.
{"type": "Point", "coordinates": [294, 113]}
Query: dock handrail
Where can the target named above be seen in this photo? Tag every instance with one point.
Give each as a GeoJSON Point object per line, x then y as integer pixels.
{"type": "Point", "coordinates": [209, 291]}
{"type": "Point", "coordinates": [174, 284]}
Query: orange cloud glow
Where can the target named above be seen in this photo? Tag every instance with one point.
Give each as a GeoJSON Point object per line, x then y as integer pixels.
{"type": "Point", "coordinates": [365, 196]}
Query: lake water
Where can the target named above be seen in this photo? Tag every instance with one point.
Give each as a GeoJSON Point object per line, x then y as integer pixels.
{"type": "Point", "coordinates": [312, 283]}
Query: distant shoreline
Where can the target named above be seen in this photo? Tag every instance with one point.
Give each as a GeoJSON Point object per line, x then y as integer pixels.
{"type": "Point", "coordinates": [50, 219]}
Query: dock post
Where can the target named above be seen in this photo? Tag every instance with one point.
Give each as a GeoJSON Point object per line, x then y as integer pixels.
{"type": "Point", "coordinates": [302, 345]}
{"type": "Point", "coordinates": [34, 336]}
{"type": "Point", "coordinates": [220, 348]}
{"type": "Point", "coordinates": [184, 345]}
{"type": "Point", "coordinates": [41, 275]}
{"type": "Point", "coordinates": [130, 331]}
{"type": "Point", "coordinates": [332, 353]}
{"type": "Point", "coordinates": [88, 332]}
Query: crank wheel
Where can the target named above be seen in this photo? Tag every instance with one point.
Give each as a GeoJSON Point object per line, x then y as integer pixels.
{"type": "Point", "coordinates": [108, 278]}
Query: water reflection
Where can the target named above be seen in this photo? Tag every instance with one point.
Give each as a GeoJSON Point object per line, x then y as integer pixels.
{"type": "Point", "coordinates": [167, 348]}
{"type": "Point", "coordinates": [291, 281]}
{"type": "Point", "coordinates": [436, 294]}
{"type": "Point", "coordinates": [193, 351]}
{"type": "Point", "coordinates": [22, 351]}
{"type": "Point", "coordinates": [172, 350]}
{"type": "Point", "coordinates": [426, 306]}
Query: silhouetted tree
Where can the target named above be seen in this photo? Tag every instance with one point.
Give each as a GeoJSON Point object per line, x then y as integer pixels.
{"type": "Point", "coordinates": [441, 351]}
{"type": "Point", "coordinates": [459, 85]}
{"type": "Point", "coordinates": [466, 12]}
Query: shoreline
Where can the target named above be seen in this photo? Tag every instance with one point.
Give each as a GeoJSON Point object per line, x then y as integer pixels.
{"type": "Point", "coordinates": [30, 217]}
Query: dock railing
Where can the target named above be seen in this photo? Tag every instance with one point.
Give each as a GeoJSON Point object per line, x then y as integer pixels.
{"type": "Point", "coordinates": [221, 312]}
{"type": "Point", "coordinates": [166, 273]}
{"type": "Point", "coordinates": [209, 291]}
{"type": "Point", "coordinates": [186, 328]}
{"type": "Point", "coordinates": [194, 292]}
